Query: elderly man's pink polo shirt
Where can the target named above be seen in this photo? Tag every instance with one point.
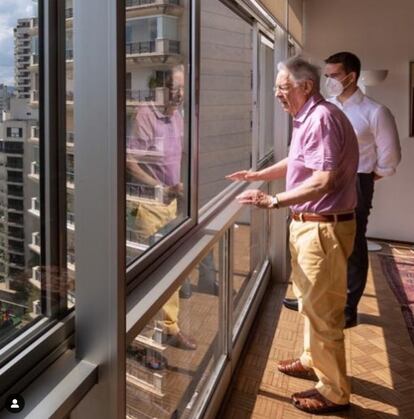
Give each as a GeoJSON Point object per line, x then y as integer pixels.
{"type": "Point", "coordinates": [323, 139]}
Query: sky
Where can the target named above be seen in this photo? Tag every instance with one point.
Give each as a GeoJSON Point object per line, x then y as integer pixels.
{"type": "Point", "coordinates": [10, 11]}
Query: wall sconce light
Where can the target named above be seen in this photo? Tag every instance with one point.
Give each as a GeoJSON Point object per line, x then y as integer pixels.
{"type": "Point", "coordinates": [373, 77]}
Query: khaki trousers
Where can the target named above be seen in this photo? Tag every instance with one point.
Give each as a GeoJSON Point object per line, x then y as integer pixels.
{"type": "Point", "coordinates": [319, 252]}
{"type": "Point", "coordinates": [150, 217]}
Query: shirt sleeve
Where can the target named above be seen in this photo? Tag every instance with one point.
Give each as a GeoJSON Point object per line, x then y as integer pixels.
{"type": "Point", "coordinates": [387, 142]}
{"type": "Point", "coordinates": [143, 130]}
{"type": "Point", "coordinates": [323, 144]}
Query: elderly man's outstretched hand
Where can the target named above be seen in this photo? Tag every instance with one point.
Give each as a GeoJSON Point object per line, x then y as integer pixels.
{"type": "Point", "coordinates": [248, 175]}
{"type": "Point", "coordinates": [254, 197]}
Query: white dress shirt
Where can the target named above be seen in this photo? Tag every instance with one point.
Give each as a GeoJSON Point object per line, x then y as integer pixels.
{"type": "Point", "coordinates": [374, 125]}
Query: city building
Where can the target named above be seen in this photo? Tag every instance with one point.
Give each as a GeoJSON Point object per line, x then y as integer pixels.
{"type": "Point", "coordinates": [15, 228]}
{"type": "Point", "coordinates": [22, 54]}
{"type": "Point", "coordinates": [5, 94]}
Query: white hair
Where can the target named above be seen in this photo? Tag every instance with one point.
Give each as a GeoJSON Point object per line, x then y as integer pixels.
{"type": "Point", "coordinates": [301, 70]}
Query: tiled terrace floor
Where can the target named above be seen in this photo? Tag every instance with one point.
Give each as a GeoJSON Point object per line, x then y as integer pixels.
{"type": "Point", "coordinates": [380, 359]}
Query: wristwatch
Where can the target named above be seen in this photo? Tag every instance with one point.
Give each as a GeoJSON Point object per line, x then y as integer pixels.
{"type": "Point", "coordinates": [274, 202]}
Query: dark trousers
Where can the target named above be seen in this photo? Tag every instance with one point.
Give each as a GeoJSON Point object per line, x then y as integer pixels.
{"type": "Point", "coordinates": [358, 261]}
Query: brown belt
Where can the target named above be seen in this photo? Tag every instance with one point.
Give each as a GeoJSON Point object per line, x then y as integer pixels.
{"type": "Point", "coordinates": [327, 218]}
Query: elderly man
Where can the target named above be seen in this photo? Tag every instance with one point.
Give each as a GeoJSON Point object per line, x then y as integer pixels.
{"type": "Point", "coordinates": [379, 155]}
{"type": "Point", "coordinates": [320, 190]}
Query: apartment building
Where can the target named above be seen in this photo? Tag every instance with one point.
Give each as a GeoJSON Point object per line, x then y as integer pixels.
{"type": "Point", "coordinates": [18, 297]}
{"type": "Point", "coordinates": [5, 95]}
{"type": "Point", "coordinates": [22, 53]}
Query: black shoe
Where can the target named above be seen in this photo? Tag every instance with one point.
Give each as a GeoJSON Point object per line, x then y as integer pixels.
{"type": "Point", "coordinates": [351, 321]}
{"type": "Point", "coordinates": [291, 303]}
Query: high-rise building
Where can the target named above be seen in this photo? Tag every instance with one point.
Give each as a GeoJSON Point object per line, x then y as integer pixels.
{"type": "Point", "coordinates": [5, 94]}
{"type": "Point", "coordinates": [14, 132]}
{"type": "Point", "coordinates": [22, 52]}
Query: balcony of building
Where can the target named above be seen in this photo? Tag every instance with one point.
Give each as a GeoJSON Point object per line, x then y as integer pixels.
{"type": "Point", "coordinates": [34, 61]}
{"type": "Point", "coordinates": [138, 8]}
{"type": "Point", "coordinates": [71, 261]}
{"type": "Point", "coordinates": [69, 17]}
{"type": "Point", "coordinates": [70, 221]}
{"type": "Point", "coordinates": [34, 171]}
{"type": "Point", "coordinates": [35, 207]}
{"type": "Point", "coordinates": [34, 245]}
{"type": "Point", "coordinates": [69, 99]}
{"type": "Point", "coordinates": [153, 52]}
{"type": "Point", "coordinates": [70, 180]}
{"type": "Point", "coordinates": [70, 140]}
{"type": "Point", "coordinates": [34, 97]}
{"type": "Point", "coordinates": [35, 279]}
{"type": "Point", "coordinates": [34, 26]}
{"type": "Point", "coordinates": [34, 134]}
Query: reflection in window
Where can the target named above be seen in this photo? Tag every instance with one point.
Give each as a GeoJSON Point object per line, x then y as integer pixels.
{"type": "Point", "coordinates": [20, 208]}
{"type": "Point", "coordinates": [157, 170]}
{"type": "Point", "coordinates": [225, 97]}
{"type": "Point", "coordinates": [171, 361]}
{"type": "Point", "coordinates": [70, 156]}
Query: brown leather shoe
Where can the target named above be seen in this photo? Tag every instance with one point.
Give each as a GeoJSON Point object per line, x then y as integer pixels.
{"type": "Point", "coordinates": [180, 340]}
{"type": "Point", "coordinates": [311, 401]}
{"type": "Point", "coordinates": [294, 368]}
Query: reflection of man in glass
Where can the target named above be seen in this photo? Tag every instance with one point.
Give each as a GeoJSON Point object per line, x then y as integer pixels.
{"type": "Point", "coordinates": [154, 164]}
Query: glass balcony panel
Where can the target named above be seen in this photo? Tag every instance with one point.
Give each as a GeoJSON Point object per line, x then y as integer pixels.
{"type": "Point", "coordinates": [249, 252]}
{"type": "Point", "coordinates": [167, 373]}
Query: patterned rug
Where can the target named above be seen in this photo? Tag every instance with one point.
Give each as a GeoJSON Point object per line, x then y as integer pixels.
{"type": "Point", "coordinates": [398, 269]}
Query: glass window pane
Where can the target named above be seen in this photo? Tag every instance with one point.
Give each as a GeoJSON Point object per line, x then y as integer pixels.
{"type": "Point", "coordinates": [171, 361]}
{"type": "Point", "coordinates": [266, 97]}
{"type": "Point", "coordinates": [225, 97]}
{"type": "Point", "coordinates": [20, 207]}
{"type": "Point", "coordinates": [157, 158]}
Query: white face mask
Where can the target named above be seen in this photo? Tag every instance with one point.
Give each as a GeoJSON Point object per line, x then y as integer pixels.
{"type": "Point", "coordinates": [333, 87]}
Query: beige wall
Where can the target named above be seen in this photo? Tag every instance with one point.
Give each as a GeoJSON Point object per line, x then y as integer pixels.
{"type": "Point", "coordinates": [381, 33]}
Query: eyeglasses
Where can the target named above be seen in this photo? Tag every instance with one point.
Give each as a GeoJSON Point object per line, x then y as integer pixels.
{"type": "Point", "coordinates": [284, 88]}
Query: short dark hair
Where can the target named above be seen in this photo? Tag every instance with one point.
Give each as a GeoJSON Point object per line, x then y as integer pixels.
{"type": "Point", "coordinates": [350, 62]}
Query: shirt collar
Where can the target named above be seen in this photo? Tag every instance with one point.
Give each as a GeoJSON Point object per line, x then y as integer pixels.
{"type": "Point", "coordinates": [308, 106]}
{"type": "Point", "coordinates": [355, 99]}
